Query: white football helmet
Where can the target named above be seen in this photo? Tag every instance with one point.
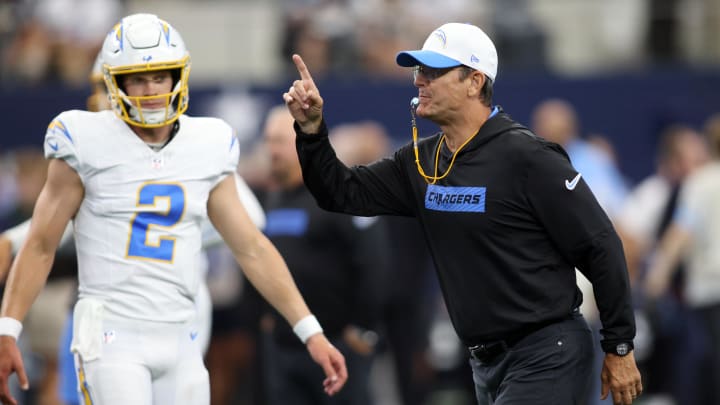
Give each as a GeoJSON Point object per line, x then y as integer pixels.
{"type": "Point", "coordinates": [145, 43]}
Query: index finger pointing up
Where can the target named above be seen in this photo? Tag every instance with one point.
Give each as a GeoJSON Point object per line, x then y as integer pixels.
{"type": "Point", "coordinates": [302, 68]}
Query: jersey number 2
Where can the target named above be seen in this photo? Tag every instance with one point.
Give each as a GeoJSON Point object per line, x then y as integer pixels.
{"type": "Point", "coordinates": [139, 247]}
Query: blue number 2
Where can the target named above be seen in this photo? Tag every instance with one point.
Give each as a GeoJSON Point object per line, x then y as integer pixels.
{"type": "Point", "coordinates": [138, 245]}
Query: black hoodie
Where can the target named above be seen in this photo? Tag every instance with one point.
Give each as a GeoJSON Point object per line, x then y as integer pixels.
{"type": "Point", "coordinates": [506, 228]}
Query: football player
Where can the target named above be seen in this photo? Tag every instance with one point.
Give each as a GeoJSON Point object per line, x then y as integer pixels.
{"type": "Point", "coordinates": [137, 182]}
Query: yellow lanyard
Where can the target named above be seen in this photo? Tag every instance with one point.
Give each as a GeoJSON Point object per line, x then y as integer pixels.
{"type": "Point", "coordinates": [434, 178]}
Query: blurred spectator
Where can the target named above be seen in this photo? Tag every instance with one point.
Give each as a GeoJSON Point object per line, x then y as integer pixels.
{"type": "Point", "coordinates": [557, 121]}
{"type": "Point", "coordinates": [603, 144]}
{"type": "Point", "coordinates": [673, 343]}
{"type": "Point", "coordinates": [340, 265]}
{"type": "Point", "coordinates": [360, 143]}
{"type": "Point", "coordinates": [693, 236]}
{"type": "Point", "coordinates": [44, 322]}
{"type": "Point", "coordinates": [412, 296]}
{"type": "Point", "coordinates": [29, 168]}
{"type": "Point", "coordinates": [647, 210]}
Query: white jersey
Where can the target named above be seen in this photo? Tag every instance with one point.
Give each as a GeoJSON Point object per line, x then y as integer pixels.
{"type": "Point", "coordinates": [138, 229]}
{"type": "Point", "coordinates": [698, 212]}
{"type": "Point", "coordinates": [643, 208]}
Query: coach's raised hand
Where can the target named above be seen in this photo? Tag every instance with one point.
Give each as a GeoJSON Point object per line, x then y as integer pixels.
{"type": "Point", "coordinates": [303, 99]}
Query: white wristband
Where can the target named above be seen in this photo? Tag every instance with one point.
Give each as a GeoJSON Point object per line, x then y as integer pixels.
{"type": "Point", "coordinates": [307, 327]}
{"type": "Point", "coordinates": [10, 327]}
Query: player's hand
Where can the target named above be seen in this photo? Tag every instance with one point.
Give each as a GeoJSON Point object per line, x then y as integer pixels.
{"type": "Point", "coordinates": [10, 360]}
{"type": "Point", "coordinates": [331, 361]}
{"type": "Point", "coordinates": [620, 377]}
{"type": "Point", "coordinates": [303, 99]}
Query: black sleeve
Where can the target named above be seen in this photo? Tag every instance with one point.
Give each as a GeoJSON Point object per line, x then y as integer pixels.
{"type": "Point", "coordinates": [584, 235]}
{"type": "Point", "coordinates": [376, 189]}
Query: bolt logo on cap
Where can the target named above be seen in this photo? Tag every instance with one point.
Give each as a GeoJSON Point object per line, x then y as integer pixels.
{"type": "Point", "coordinates": [440, 34]}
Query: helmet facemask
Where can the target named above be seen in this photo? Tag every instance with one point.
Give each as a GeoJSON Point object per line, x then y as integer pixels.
{"type": "Point", "coordinates": [130, 107]}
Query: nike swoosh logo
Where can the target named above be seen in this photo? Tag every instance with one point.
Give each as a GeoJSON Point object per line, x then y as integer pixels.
{"type": "Point", "coordinates": [570, 185]}
{"type": "Point", "coordinates": [193, 335]}
{"type": "Point", "coordinates": [54, 146]}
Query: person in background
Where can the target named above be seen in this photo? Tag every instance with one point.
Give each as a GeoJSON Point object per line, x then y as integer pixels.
{"type": "Point", "coordinates": [408, 313]}
{"type": "Point", "coordinates": [673, 338]}
{"type": "Point", "coordinates": [557, 121]}
{"type": "Point", "coordinates": [44, 323]}
{"type": "Point", "coordinates": [648, 208]}
{"type": "Point", "coordinates": [340, 264]}
{"type": "Point", "coordinates": [692, 237]}
{"type": "Point", "coordinates": [507, 219]}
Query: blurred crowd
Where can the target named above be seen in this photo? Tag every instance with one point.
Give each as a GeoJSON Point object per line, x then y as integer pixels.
{"type": "Point", "coordinates": [54, 41]}
{"type": "Point", "coordinates": [51, 41]}
{"type": "Point", "coordinates": [417, 359]}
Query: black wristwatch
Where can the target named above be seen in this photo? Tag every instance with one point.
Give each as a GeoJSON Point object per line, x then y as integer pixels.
{"type": "Point", "coordinates": [618, 348]}
{"type": "Point", "coordinates": [622, 349]}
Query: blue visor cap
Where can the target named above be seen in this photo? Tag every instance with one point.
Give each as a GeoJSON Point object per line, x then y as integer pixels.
{"type": "Point", "coordinates": [427, 58]}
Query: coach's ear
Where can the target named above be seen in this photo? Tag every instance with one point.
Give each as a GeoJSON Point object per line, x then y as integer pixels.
{"type": "Point", "coordinates": [477, 80]}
